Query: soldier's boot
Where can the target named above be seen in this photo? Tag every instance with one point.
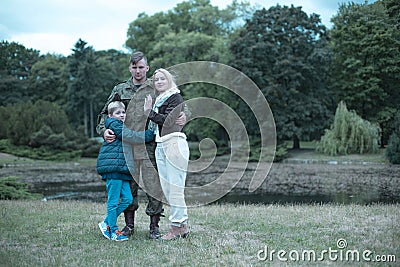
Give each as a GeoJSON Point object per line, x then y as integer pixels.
{"type": "Point", "coordinates": [129, 222]}
{"type": "Point", "coordinates": [154, 232]}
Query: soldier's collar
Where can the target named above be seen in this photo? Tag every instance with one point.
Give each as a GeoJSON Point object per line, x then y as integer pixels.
{"type": "Point", "coordinates": [147, 82]}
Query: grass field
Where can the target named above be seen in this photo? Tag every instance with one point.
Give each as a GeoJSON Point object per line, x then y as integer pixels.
{"type": "Point", "coordinates": [307, 152]}
{"type": "Point", "coordinates": [65, 233]}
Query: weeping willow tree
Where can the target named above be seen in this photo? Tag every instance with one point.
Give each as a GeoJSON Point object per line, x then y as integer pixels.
{"type": "Point", "coordinates": [349, 134]}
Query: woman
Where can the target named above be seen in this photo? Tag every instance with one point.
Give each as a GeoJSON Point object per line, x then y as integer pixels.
{"type": "Point", "coordinates": [172, 151]}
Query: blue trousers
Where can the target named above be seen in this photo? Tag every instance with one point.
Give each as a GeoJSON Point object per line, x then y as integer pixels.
{"type": "Point", "coordinates": [119, 198]}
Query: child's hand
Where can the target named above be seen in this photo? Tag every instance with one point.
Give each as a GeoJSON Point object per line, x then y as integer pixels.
{"type": "Point", "coordinates": [148, 103]}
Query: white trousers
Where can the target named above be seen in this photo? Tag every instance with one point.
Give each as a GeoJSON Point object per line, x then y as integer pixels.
{"type": "Point", "coordinates": [172, 156]}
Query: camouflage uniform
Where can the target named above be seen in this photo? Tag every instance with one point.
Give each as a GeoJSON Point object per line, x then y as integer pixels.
{"type": "Point", "coordinates": [144, 159]}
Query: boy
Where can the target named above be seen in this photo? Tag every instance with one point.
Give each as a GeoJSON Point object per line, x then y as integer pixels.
{"type": "Point", "coordinates": [115, 170]}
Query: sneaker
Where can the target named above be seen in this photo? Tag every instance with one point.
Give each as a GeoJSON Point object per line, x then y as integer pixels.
{"type": "Point", "coordinates": [105, 230]}
{"type": "Point", "coordinates": [127, 230]}
{"type": "Point", "coordinates": [118, 236]}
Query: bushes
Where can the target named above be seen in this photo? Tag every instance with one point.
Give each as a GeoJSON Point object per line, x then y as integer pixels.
{"type": "Point", "coordinates": [393, 148]}
{"type": "Point", "coordinates": [11, 188]}
{"type": "Point", "coordinates": [41, 130]}
{"type": "Point", "coordinates": [349, 134]}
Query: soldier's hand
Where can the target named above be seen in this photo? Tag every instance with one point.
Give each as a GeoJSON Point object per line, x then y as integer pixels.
{"type": "Point", "coordinates": [109, 136]}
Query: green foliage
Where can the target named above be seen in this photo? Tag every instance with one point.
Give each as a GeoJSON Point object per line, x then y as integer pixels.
{"type": "Point", "coordinates": [281, 152]}
{"type": "Point", "coordinates": [41, 130]}
{"type": "Point", "coordinates": [393, 147]}
{"type": "Point", "coordinates": [4, 115]}
{"type": "Point", "coordinates": [11, 188]}
{"type": "Point", "coordinates": [284, 51]}
{"type": "Point", "coordinates": [16, 62]}
{"type": "Point", "coordinates": [42, 153]}
{"type": "Point", "coordinates": [26, 119]}
{"type": "Point", "coordinates": [366, 66]}
{"type": "Point", "coordinates": [90, 75]}
{"type": "Point", "coordinates": [48, 80]}
{"type": "Point", "coordinates": [349, 134]}
{"type": "Point", "coordinates": [289, 54]}
{"type": "Point", "coordinates": [193, 30]}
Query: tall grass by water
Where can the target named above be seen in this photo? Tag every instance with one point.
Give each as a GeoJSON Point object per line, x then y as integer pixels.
{"type": "Point", "coordinates": [65, 233]}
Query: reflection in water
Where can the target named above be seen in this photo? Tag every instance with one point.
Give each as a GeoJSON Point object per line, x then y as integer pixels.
{"type": "Point", "coordinates": [96, 193]}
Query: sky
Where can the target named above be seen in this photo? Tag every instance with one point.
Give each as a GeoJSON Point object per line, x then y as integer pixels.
{"type": "Point", "coordinates": [54, 26]}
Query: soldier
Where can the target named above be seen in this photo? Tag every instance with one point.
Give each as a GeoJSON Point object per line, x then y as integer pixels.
{"type": "Point", "coordinates": [132, 93]}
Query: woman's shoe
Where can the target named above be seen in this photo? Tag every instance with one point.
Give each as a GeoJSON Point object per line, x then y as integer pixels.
{"type": "Point", "coordinates": [176, 232]}
{"type": "Point", "coordinates": [185, 231]}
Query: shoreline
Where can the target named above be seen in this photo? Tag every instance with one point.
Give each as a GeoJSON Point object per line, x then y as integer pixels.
{"type": "Point", "coordinates": [375, 181]}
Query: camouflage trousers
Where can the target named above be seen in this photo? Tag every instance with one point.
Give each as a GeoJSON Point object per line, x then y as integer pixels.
{"type": "Point", "coordinates": [146, 178]}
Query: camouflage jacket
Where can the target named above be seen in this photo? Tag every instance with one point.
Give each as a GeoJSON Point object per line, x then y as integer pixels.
{"type": "Point", "coordinates": [136, 120]}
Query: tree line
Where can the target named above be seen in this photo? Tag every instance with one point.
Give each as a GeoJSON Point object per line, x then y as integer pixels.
{"type": "Point", "coordinates": [303, 68]}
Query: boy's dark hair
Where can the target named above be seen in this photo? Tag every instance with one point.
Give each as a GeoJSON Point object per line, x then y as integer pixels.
{"type": "Point", "coordinates": [137, 56]}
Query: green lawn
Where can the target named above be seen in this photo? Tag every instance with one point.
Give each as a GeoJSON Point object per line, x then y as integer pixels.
{"type": "Point", "coordinates": [62, 233]}
{"type": "Point", "coordinates": [307, 152]}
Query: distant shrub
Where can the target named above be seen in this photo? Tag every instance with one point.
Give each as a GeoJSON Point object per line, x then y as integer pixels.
{"type": "Point", "coordinates": [393, 147]}
{"type": "Point", "coordinates": [349, 134]}
{"type": "Point", "coordinates": [41, 130]}
{"type": "Point", "coordinates": [11, 188]}
{"type": "Point", "coordinates": [27, 119]}
{"type": "Point", "coordinates": [43, 152]}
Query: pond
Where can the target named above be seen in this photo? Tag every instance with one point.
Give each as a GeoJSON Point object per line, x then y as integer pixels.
{"type": "Point", "coordinates": [285, 184]}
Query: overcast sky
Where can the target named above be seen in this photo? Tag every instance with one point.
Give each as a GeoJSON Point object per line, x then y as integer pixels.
{"type": "Point", "coordinates": [54, 26]}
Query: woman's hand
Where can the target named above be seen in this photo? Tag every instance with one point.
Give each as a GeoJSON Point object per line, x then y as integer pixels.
{"type": "Point", "coordinates": [148, 104]}
{"type": "Point", "coordinates": [181, 120]}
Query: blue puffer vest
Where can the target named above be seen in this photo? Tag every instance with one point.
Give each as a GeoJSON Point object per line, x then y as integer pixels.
{"type": "Point", "coordinates": [115, 160]}
{"type": "Point", "coordinates": [111, 159]}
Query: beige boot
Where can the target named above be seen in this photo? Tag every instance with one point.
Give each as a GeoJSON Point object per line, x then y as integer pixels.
{"type": "Point", "coordinates": [184, 230]}
{"type": "Point", "coordinates": [176, 232]}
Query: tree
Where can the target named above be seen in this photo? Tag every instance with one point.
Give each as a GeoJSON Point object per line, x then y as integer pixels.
{"type": "Point", "coordinates": [119, 62]}
{"type": "Point", "coordinates": [285, 52]}
{"type": "Point", "coordinates": [366, 67]}
{"type": "Point", "coordinates": [349, 134]}
{"type": "Point", "coordinates": [48, 80]}
{"type": "Point", "coordinates": [193, 30]}
{"type": "Point", "coordinates": [16, 62]}
{"type": "Point", "coordinates": [27, 118]}
{"type": "Point", "coordinates": [393, 148]}
{"type": "Point", "coordinates": [90, 76]}
{"type": "Point", "coordinates": [393, 11]}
